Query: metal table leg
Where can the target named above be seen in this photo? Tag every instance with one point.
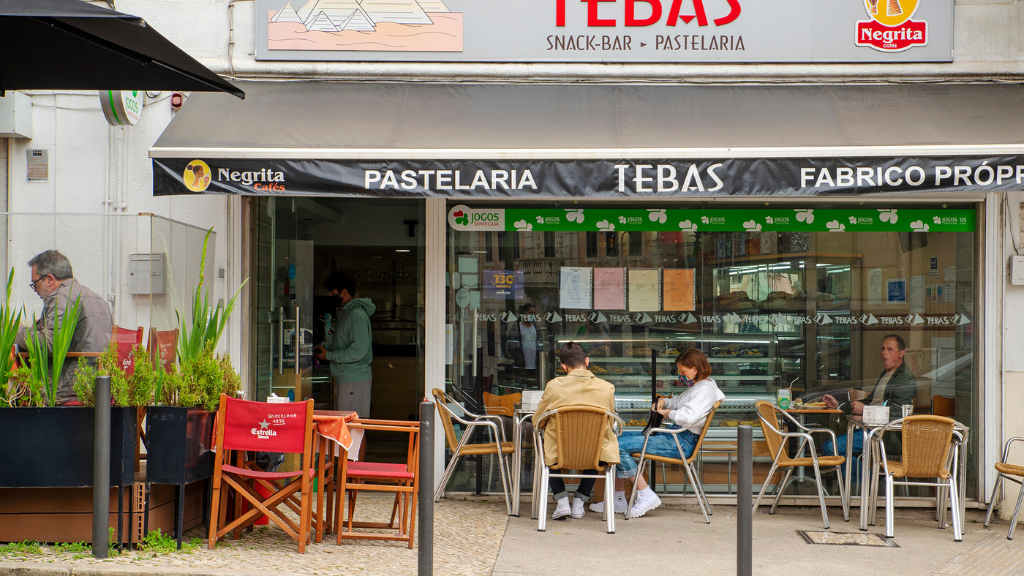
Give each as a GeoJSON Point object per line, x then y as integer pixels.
{"type": "Point", "coordinates": [849, 470]}
{"type": "Point", "coordinates": [517, 462]}
{"type": "Point", "coordinates": [865, 472]}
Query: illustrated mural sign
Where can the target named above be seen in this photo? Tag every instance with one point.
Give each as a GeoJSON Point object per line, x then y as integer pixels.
{"type": "Point", "coordinates": [375, 25]}
{"type": "Point", "coordinates": [606, 30]}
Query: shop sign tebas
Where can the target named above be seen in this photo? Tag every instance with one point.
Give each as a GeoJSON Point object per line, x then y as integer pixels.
{"type": "Point", "coordinates": [890, 28]}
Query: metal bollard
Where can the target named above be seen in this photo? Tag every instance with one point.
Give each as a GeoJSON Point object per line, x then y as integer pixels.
{"type": "Point", "coordinates": [101, 470]}
{"type": "Point", "coordinates": [425, 560]}
{"type": "Point", "coordinates": [744, 481]}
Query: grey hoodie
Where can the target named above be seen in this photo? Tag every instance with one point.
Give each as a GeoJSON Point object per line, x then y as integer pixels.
{"type": "Point", "coordinates": [351, 351]}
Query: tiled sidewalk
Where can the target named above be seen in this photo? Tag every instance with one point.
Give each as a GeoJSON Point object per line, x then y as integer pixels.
{"type": "Point", "coordinates": [467, 538]}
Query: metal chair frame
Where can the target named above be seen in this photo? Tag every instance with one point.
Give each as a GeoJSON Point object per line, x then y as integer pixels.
{"type": "Point", "coordinates": [995, 491]}
{"type": "Point", "coordinates": [805, 439]}
{"type": "Point", "coordinates": [492, 422]}
{"type": "Point", "coordinates": [702, 498]}
{"type": "Point", "coordinates": [943, 487]}
{"type": "Point", "coordinates": [545, 473]}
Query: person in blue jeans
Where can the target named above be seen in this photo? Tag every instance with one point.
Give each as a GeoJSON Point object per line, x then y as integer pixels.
{"type": "Point", "coordinates": [686, 410]}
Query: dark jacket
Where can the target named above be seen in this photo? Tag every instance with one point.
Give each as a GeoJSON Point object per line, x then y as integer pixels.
{"type": "Point", "coordinates": [901, 389]}
{"type": "Point", "coordinates": [92, 333]}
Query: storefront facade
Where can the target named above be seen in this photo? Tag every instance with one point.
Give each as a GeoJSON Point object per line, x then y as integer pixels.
{"type": "Point", "coordinates": [786, 265]}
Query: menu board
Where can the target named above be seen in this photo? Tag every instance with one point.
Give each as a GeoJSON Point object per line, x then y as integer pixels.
{"type": "Point", "coordinates": [610, 288]}
{"type": "Point", "coordinates": [677, 291]}
{"type": "Point", "coordinates": [644, 290]}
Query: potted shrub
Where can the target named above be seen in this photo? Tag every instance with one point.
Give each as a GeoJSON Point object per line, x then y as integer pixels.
{"type": "Point", "coordinates": [179, 424]}
{"type": "Point", "coordinates": [44, 445]}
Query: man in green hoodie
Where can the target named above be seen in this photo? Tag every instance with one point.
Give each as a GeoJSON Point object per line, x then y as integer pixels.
{"type": "Point", "coordinates": [350, 350]}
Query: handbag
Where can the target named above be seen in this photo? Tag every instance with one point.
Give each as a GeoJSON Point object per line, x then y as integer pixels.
{"type": "Point", "coordinates": [654, 419]}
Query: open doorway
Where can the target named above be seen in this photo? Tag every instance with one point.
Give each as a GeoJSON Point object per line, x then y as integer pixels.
{"type": "Point", "coordinates": [297, 244]}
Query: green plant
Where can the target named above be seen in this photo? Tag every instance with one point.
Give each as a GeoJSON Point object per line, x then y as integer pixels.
{"type": "Point", "coordinates": [21, 548]}
{"type": "Point", "coordinates": [72, 547]}
{"type": "Point", "coordinates": [157, 541]}
{"type": "Point", "coordinates": [208, 322]}
{"type": "Point", "coordinates": [134, 390]}
{"type": "Point", "coordinates": [9, 323]}
{"type": "Point", "coordinates": [47, 362]}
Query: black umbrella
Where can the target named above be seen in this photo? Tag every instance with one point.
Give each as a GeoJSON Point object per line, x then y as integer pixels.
{"type": "Point", "coordinates": [72, 45]}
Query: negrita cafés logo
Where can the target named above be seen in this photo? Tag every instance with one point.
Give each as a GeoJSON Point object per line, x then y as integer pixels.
{"type": "Point", "coordinates": [891, 28]}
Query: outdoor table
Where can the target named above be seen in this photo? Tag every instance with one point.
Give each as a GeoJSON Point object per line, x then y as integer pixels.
{"type": "Point", "coordinates": [518, 418]}
{"type": "Point", "coordinates": [869, 432]}
{"type": "Point", "coordinates": [330, 425]}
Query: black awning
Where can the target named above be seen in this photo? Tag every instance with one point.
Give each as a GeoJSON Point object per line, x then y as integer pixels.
{"type": "Point", "coordinates": [73, 45]}
{"type": "Point", "coordinates": [593, 140]}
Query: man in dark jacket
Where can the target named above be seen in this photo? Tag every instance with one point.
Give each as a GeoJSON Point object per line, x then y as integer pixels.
{"type": "Point", "coordinates": [895, 387]}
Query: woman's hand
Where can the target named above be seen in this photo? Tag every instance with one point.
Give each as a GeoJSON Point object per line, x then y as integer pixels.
{"type": "Point", "coordinates": [664, 412]}
{"type": "Point", "coordinates": [661, 404]}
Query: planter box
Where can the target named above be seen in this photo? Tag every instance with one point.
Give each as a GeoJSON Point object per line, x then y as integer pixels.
{"type": "Point", "coordinates": [53, 447]}
{"type": "Point", "coordinates": [178, 445]}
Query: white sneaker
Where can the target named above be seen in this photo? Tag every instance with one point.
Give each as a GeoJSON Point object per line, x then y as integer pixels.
{"type": "Point", "coordinates": [561, 509]}
{"type": "Point", "coordinates": [620, 506]}
{"type": "Point", "coordinates": [644, 504]}
{"type": "Point", "coordinates": [577, 508]}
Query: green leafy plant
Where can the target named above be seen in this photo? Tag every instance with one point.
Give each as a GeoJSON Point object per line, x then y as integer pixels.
{"type": "Point", "coordinates": [125, 390]}
{"type": "Point", "coordinates": [9, 323]}
{"type": "Point", "coordinates": [47, 364]}
{"type": "Point", "coordinates": [208, 322]}
{"type": "Point", "coordinates": [157, 541]}
{"type": "Point", "coordinates": [21, 548]}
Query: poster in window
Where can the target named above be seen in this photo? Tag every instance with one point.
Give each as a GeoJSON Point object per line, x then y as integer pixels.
{"type": "Point", "coordinates": [678, 294]}
{"type": "Point", "coordinates": [610, 288]}
{"type": "Point", "coordinates": [644, 290]}
{"type": "Point", "coordinates": [897, 291]}
{"type": "Point", "coordinates": [574, 288]}
{"type": "Point", "coordinates": [502, 284]}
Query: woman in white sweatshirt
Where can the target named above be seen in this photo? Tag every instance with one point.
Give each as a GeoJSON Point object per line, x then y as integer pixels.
{"type": "Point", "coordinates": [685, 410]}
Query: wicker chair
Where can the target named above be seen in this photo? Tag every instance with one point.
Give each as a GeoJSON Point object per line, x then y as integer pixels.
{"type": "Point", "coordinates": [581, 432]}
{"type": "Point", "coordinates": [926, 448]}
{"type": "Point", "coordinates": [461, 448]}
{"type": "Point", "coordinates": [777, 444]}
{"type": "Point", "coordinates": [1007, 471]}
{"type": "Point", "coordinates": [687, 463]}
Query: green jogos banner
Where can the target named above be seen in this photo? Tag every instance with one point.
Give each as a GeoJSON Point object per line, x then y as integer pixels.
{"type": "Point", "coordinates": [713, 220]}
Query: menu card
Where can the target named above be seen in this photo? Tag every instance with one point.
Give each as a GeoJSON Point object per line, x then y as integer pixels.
{"type": "Point", "coordinates": [574, 288]}
{"type": "Point", "coordinates": [678, 294]}
{"type": "Point", "coordinates": [610, 288]}
{"type": "Point", "coordinates": [644, 290]}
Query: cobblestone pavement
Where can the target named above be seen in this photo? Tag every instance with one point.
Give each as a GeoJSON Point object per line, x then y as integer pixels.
{"type": "Point", "coordinates": [467, 538]}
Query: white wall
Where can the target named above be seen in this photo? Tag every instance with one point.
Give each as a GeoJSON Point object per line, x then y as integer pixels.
{"type": "Point", "coordinates": [1013, 343]}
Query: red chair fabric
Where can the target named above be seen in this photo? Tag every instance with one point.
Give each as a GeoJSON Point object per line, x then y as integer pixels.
{"type": "Point", "coordinates": [244, 426]}
{"type": "Point", "coordinates": [126, 339]}
{"type": "Point", "coordinates": [163, 344]}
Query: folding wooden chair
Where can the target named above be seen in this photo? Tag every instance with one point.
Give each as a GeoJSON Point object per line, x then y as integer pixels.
{"type": "Point", "coordinates": [243, 426]}
{"type": "Point", "coordinates": [400, 479]}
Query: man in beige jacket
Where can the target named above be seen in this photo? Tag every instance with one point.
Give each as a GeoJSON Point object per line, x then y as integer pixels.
{"type": "Point", "coordinates": [580, 387]}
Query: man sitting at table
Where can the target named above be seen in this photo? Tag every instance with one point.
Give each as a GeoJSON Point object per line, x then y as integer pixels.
{"type": "Point", "coordinates": [580, 387]}
{"type": "Point", "coordinates": [896, 386]}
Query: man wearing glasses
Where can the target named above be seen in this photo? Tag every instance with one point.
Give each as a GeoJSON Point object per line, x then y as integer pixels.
{"type": "Point", "coordinates": [54, 282]}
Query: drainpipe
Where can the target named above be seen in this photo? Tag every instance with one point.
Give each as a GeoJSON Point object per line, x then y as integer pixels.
{"type": "Point", "coordinates": [231, 36]}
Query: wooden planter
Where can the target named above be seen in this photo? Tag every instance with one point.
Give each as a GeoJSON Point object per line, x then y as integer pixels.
{"type": "Point", "coordinates": [53, 447]}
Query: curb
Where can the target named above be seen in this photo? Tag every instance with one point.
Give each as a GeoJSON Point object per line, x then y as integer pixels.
{"type": "Point", "coordinates": [55, 569]}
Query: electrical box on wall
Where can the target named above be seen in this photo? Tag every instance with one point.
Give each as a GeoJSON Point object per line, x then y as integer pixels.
{"type": "Point", "coordinates": [146, 274]}
{"type": "Point", "coordinates": [15, 115]}
{"type": "Point", "coordinates": [1017, 270]}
